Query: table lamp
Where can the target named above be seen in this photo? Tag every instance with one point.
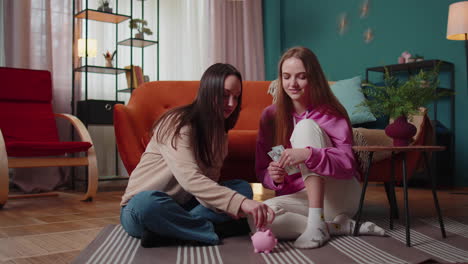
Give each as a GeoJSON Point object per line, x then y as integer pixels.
{"type": "Point", "coordinates": [92, 47]}
{"type": "Point", "coordinates": [457, 25]}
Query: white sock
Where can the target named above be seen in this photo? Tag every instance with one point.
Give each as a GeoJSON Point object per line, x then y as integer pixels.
{"type": "Point", "coordinates": [343, 225]}
{"type": "Point", "coordinates": [316, 232]}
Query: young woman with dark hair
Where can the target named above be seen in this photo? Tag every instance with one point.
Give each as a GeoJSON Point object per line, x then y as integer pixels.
{"type": "Point", "coordinates": [313, 126]}
{"type": "Point", "coordinates": [173, 194]}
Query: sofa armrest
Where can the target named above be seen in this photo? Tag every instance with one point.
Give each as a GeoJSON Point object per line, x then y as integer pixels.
{"type": "Point", "coordinates": [242, 144]}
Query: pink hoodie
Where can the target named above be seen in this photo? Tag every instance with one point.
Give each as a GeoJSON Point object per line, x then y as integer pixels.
{"type": "Point", "coordinates": [337, 161]}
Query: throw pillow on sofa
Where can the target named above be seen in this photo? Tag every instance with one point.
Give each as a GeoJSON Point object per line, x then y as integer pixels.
{"type": "Point", "coordinates": [350, 95]}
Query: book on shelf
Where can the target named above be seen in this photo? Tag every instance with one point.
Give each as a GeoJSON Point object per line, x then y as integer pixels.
{"type": "Point", "coordinates": [139, 75]}
{"type": "Point", "coordinates": [135, 75]}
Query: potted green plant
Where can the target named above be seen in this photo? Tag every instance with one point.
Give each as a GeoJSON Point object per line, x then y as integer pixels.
{"type": "Point", "coordinates": [140, 26]}
{"type": "Point", "coordinates": [399, 100]}
{"type": "Point", "coordinates": [104, 6]}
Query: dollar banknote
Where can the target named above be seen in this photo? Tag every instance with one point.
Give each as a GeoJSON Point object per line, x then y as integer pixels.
{"type": "Point", "coordinates": [275, 155]}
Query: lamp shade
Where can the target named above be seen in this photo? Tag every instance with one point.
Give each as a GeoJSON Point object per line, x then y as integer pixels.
{"type": "Point", "coordinates": [457, 25]}
{"type": "Point", "coordinates": [92, 47]}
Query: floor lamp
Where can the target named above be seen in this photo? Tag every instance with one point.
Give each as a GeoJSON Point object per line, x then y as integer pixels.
{"type": "Point", "coordinates": [457, 25]}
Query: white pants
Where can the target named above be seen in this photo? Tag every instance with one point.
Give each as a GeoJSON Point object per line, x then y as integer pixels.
{"type": "Point", "coordinates": [340, 196]}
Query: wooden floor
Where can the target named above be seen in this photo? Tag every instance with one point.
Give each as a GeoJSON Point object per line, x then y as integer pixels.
{"type": "Point", "coordinates": [56, 229]}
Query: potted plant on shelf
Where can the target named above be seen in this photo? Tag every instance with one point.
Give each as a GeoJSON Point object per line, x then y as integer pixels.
{"type": "Point", "coordinates": [139, 25]}
{"type": "Point", "coordinates": [104, 6]}
{"type": "Point", "coordinates": [399, 100]}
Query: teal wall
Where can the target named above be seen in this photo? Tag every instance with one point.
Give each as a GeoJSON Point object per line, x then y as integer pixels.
{"type": "Point", "coordinates": [418, 26]}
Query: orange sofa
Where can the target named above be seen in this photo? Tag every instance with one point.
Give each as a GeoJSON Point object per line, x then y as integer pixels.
{"type": "Point", "coordinates": [133, 122]}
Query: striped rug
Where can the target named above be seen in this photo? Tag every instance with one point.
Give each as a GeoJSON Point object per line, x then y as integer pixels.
{"type": "Point", "coordinates": [113, 245]}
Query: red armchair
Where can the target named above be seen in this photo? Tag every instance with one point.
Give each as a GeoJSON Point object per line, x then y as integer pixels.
{"type": "Point", "coordinates": [28, 131]}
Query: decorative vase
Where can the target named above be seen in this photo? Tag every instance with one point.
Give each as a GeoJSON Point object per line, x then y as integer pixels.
{"type": "Point", "coordinates": [109, 63]}
{"type": "Point", "coordinates": [401, 131]}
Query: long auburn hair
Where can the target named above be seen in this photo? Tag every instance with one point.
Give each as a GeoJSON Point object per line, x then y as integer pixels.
{"type": "Point", "coordinates": [320, 96]}
{"type": "Point", "coordinates": [205, 116]}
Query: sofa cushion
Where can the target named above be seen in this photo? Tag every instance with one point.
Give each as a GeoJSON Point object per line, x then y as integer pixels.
{"type": "Point", "coordinates": [350, 95]}
{"type": "Point", "coordinates": [35, 85]}
{"type": "Point", "coordinates": [254, 99]}
{"type": "Point", "coordinates": [33, 148]}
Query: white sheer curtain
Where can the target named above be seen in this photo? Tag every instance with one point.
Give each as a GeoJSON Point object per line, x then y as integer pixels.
{"type": "Point", "coordinates": [237, 36]}
{"type": "Point", "coordinates": [37, 35]}
{"type": "Point", "coordinates": [196, 34]}
{"type": "Point", "coordinates": [184, 38]}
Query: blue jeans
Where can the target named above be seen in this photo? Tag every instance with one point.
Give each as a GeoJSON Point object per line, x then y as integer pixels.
{"type": "Point", "coordinates": [160, 213]}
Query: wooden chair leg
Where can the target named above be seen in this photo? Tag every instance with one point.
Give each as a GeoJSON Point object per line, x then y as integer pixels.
{"type": "Point", "coordinates": [91, 155]}
{"type": "Point", "coordinates": [92, 176]}
{"type": "Point", "coordinates": [4, 179]}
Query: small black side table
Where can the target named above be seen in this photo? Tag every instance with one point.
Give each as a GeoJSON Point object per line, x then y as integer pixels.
{"type": "Point", "coordinates": [402, 151]}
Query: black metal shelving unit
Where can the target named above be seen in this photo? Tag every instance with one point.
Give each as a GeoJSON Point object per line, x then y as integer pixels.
{"type": "Point", "coordinates": [99, 112]}
{"type": "Point", "coordinates": [134, 42]}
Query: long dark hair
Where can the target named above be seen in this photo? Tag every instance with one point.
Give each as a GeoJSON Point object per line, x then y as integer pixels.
{"type": "Point", "coordinates": [320, 96]}
{"type": "Point", "coordinates": [205, 116]}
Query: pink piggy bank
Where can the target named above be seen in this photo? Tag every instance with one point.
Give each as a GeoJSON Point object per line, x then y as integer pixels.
{"type": "Point", "coordinates": [264, 241]}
